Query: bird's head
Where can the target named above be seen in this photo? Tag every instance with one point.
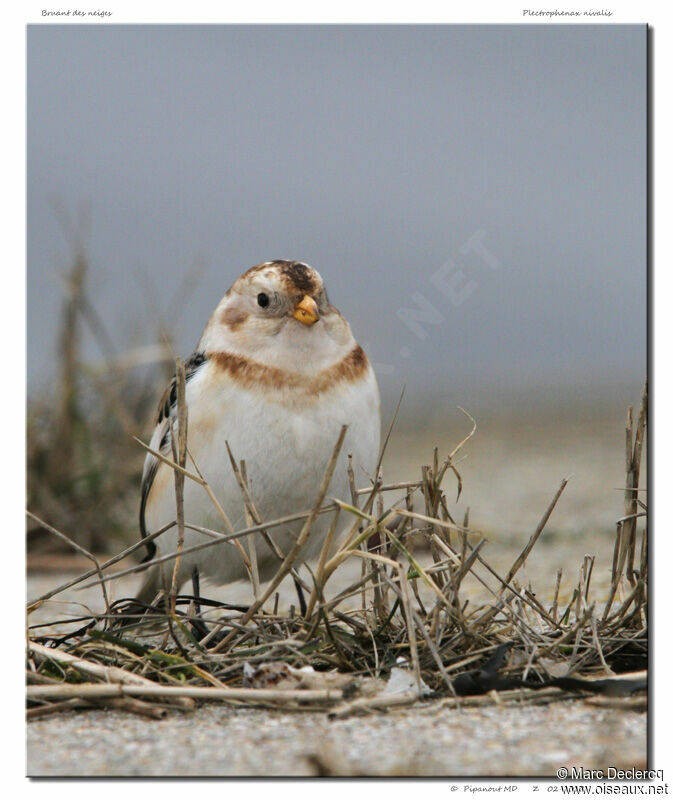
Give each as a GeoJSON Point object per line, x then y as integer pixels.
{"type": "Point", "coordinates": [278, 313]}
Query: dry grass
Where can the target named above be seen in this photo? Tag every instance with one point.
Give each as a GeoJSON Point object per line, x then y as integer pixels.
{"type": "Point", "coordinates": [86, 421]}
{"type": "Point", "coordinates": [411, 607]}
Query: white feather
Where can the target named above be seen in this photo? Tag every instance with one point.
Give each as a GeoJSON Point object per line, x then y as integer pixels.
{"type": "Point", "coordinates": [285, 435]}
{"type": "Point", "coordinates": [286, 451]}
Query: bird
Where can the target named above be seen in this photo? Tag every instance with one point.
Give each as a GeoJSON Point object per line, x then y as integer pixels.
{"type": "Point", "coordinates": [275, 376]}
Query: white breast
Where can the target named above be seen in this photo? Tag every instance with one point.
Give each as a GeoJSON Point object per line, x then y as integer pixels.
{"type": "Point", "coordinates": [286, 448]}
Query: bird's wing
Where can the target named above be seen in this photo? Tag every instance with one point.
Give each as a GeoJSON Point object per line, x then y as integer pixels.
{"type": "Point", "coordinates": [161, 440]}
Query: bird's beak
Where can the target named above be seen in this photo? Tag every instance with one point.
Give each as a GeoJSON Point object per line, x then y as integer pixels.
{"type": "Point", "coordinates": [306, 311]}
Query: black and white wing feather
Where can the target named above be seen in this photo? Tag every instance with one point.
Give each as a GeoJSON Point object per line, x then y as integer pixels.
{"type": "Point", "coordinates": [161, 441]}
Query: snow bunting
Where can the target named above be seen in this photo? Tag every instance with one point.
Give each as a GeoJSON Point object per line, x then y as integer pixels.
{"type": "Point", "coordinates": [276, 374]}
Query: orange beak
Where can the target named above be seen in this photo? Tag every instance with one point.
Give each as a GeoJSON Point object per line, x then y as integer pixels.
{"type": "Point", "coordinates": [306, 311]}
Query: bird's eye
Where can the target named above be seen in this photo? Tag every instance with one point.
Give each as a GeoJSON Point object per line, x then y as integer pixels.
{"type": "Point", "coordinates": [263, 300]}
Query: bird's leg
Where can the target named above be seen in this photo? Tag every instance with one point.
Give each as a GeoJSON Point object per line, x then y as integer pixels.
{"type": "Point", "coordinates": [198, 626]}
{"type": "Point", "coordinates": [196, 590]}
{"type": "Point", "coordinates": [300, 596]}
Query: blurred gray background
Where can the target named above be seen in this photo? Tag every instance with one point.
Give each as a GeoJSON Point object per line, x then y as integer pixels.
{"type": "Point", "coordinates": [490, 179]}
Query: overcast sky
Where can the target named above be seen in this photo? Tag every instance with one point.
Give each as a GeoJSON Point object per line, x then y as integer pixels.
{"type": "Point", "coordinates": [474, 196]}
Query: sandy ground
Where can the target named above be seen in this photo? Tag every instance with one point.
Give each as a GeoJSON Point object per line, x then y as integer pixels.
{"type": "Point", "coordinates": [511, 469]}
{"type": "Point", "coordinates": [428, 740]}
